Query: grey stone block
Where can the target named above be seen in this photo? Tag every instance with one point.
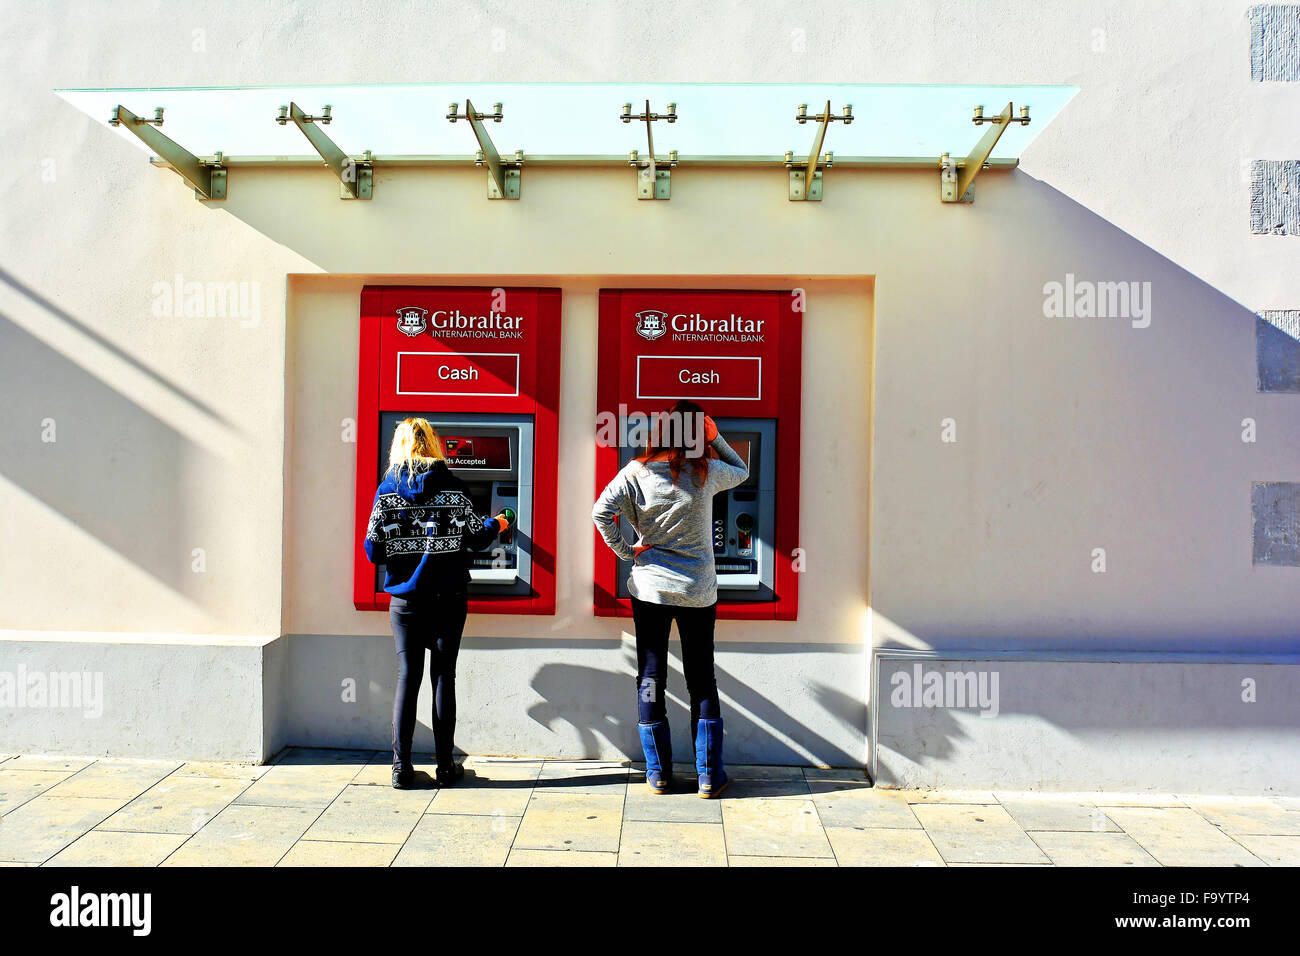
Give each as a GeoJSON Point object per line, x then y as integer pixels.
{"type": "Point", "coordinates": [1275, 42]}
{"type": "Point", "coordinates": [1277, 351]}
{"type": "Point", "coordinates": [1275, 506]}
{"type": "Point", "coordinates": [1275, 197]}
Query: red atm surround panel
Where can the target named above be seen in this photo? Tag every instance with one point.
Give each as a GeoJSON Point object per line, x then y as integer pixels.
{"type": "Point", "coordinates": [518, 372]}
{"type": "Point", "coordinates": [759, 375]}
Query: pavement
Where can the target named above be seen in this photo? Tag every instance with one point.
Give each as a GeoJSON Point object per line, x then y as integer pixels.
{"type": "Point", "coordinates": [337, 808]}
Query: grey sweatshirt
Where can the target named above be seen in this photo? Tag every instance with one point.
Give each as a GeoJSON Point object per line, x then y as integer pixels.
{"type": "Point", "coordinates": [675, 520]}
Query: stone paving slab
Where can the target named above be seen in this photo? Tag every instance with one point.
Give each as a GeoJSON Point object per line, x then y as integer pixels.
{"type": "Point", "coordinates": [231, 771]}
{"type": "Point", "coordinates": [571, 821]}
{"type": "Point", "coordinates": [44, 825]}
{"type": "Point", "coordinates": [561, 858]}
{"type": "Point", "coordinates": [115, 848]}
{"type": "Point", "coordinates": [1039, 812]}
{"type": "Point", "coordinates": [736, 860]}
{"type": "Point", "coordinates": [112, 780]}
{"type": "Point", "coordinates": [774, 827]}
{"type": "Point", "coordinates": [450, 840]}
{"type": "Point", "coordinates": [585, 776]}
{"type": "Point", "coordinates": [362, 814]}
{"type": "Point", "coordinates": [977, 834]}
{"type": "Point", "coordinates": [1274, 850]}
{"type": "Point", "coordinates": [855, 806]}
{"type": "Point", "coordinates": [965, 797]}
{"type": "Point", "coordinates": [1247, 818]}
{"type": "Point", "coordinates": [19, 786]}
{"type": "Point", "coordinates": [297, 786]}
{"type": "Point", "coordinates": [681, 806]}
{"type": "Point", "coordinates": [314, 807]}
{"type": "Point", "coordinates": [882, 846]}
{"type": "Point", "coordinates": [40, 762]}
{"type": "Point", "coordinates": [768, 788]}
{"type": "Point", "coordinates": [644, 843]}
{"type": "Point", "coordinates": [756, 772]}
{"type": "Point", "coordinates": [1178, 836]}
{"type": "Point", "coordinates": [245, 836]}
{"type": "Point", "coordinates": [1138, 800]}
{"type": "Point", "coordinates": [1076, 848]}
{"type": "Point", "coordinates": [327, 853]}
{"type": "Point", "coordinates": [177, 804]}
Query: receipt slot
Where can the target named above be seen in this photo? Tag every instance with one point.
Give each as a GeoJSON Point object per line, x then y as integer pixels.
{"type": "Point", "coordinates": [482, 365]}
{"type": "Point", "coordinates": [738, 354]}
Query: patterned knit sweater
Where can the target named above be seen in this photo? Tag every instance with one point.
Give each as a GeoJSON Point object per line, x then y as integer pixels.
{"type": "Point", "coordinates": [420, 529]}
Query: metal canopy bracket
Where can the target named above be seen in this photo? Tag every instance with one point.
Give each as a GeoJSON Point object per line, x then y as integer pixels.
{"type": "Point", "coordinates": [653, 175]}
{"type": "Point", "coordinates": [356, 176]}
{"type": "Point", "coordinates": [957, 181]}
{"type": "Point", "coordinates": [207, 176]}
{"type": "Point", "coordinates": [504, 176]}
{"type": "Point", "coordinates": [806, 177]}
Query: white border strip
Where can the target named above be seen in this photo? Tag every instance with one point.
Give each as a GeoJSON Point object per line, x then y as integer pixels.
{"type": "Point", "coordinates": [514, 394]}
{"type": "Point", "coordinates": [704, 358]}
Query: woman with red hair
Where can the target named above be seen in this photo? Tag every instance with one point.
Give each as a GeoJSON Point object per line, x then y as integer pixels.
{"type": "Point", "coordinates": [665, 495]}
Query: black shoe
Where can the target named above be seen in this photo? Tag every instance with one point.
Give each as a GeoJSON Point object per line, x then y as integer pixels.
{"type": "Point", "coordinates": [403, 778]}
{"type": "Point", "coordinates": [449, 775]}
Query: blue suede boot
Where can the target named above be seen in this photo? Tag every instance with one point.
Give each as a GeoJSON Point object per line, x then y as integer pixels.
{"type": "Point", "coordinates": [657, 743]}
{"type": "Point", "coordinates": [708, 757]}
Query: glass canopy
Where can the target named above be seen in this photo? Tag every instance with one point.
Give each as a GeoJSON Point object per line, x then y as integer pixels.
{"type": "Point", "coordinates": [580, 122]}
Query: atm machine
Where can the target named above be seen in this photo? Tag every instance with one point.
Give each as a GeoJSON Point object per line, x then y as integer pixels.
{"type": "Point", "coordinates": [493, 455]}
{"type": "Point", "coordinates": [482, 365]}
{"type": "Point", "coordinates": [738, 354]}
{"type": "Point", "coordinates": [744, 517]}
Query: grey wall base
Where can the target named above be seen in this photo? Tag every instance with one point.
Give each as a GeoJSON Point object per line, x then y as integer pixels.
{"type": "Point", "coordinates": [194, 700]}
{"type": "Point", "coordinates": [782, 703]}
{"type": "Point", "coordinates": [1112, 722]}
{"type": "Point", "coordinates": [1119, 723]}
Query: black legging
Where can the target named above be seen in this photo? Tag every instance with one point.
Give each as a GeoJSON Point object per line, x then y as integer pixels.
{"type": "Point", "coordinates": [433, 621]}
{"type": "Point", "coordinates": [695, 627]}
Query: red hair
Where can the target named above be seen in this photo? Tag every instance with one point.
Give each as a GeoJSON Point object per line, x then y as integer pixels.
{"type": "Point", "coordinates": [666, 441]}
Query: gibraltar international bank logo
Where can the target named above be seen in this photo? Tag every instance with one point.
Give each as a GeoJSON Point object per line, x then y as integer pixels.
{"type": "Point", "coordinates": [412, 321]}
{"type": "Point", "coordinates": [651, 323]}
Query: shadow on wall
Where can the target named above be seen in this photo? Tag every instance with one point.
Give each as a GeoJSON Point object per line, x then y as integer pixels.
{"type": "Point", "coordinates": [114, 469]}
{"type": "Point", "coordinates": [1135, 421]}
{"type": "Point", "coordinates": [602, 705]}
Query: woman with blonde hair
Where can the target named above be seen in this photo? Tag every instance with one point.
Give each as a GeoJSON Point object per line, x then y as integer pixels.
{"type": "Point", "coordinates": [421, 526]}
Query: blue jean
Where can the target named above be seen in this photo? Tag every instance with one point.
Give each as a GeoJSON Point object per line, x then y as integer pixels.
{"type": "Point", "coordinates": [432, 622]}
{"type": "Point", "coordinates": [653, 624]}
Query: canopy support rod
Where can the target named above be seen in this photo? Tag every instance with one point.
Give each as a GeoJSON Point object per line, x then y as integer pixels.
{"type": "Point", "coordinates": [504, 176]}
{"type": "Point", "coordinates": [356, 177]}
{"type": "Point", "coordinates": [806, 177]}
{"type": "Point", "coordinates": [208, 177]}
{"type": "Point", "coordinates": [956, 184]}
{"type": "Point", "coordinates": [653, 176]}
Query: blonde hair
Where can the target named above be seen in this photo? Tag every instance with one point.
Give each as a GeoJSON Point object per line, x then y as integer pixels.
{"type": "Point", "coordinates": [416, 446]}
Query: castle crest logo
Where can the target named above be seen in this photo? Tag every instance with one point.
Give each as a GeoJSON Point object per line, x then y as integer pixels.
{"type": "Point", "coordinates": [651, 323]}
{"type": "Point", "coordinates": [412, 321]}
